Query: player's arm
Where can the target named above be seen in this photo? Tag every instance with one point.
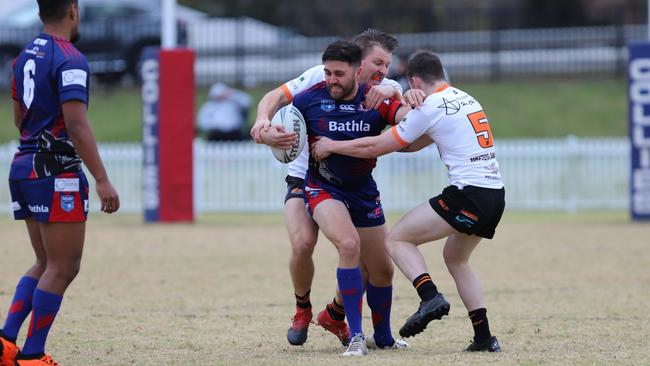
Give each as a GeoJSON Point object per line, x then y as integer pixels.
{"type": "Point", "coordinates": [378, 93]}
{"type": "Point", "coordinates": [364, 147]}
{"type": "Point", "coordinates": [76, 123]}
{"type": "Point", "coordinates": [266, 108]}
{"type": "Point", "coordinates": [18, 116]}
{"type": "Point", "coordinates": [419, 144]}
{"type": "Point", "coordinates": [414, 97]}
{"type": "Point", "coordinates": [401, 113]}
{"type": "Point", "coordinates": [409, 130]}
{"type": "Point", "coordinates": [263, 132]}
{"type": "Point", "coordinates": [276, 136]}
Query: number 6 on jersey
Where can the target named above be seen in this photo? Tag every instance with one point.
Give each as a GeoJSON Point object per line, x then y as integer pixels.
{"type": "Point", "coordinates": [28, 82]}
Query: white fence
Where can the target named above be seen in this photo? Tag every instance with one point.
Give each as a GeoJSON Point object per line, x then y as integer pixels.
{"type": "Point", "coordinates": [540, 174]}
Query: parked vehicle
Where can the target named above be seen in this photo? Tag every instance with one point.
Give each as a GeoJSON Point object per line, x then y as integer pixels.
{"type": "Point", "coordinates": [113, 35]}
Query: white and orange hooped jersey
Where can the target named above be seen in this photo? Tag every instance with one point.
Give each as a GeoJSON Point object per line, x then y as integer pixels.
{"type": "Point", "coordinates": [309, 78]}
{"type": "Point", "coordinates": [456, 123]}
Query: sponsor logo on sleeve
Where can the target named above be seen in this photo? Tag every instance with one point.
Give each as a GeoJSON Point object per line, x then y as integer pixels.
{"type": "Point", "coordinates": [74, 77]}
{"type": "Point", "coordinates": [293, 85]}
{"type": "Point", "coordinates": [402, 125]}
{"type": "Point", "coordinates": [15, 206]}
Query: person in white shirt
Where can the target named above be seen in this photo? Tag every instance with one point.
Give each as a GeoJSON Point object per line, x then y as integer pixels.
{"type": "Point", "coordinates": [224, 114]}
{"type": "Point", "coordinates": [377, 48]}
{"type": "Point", "coordinates": [466, 211]}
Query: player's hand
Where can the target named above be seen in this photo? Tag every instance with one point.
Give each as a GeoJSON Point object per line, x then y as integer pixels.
{"type": "Point", "coordinates": [378, 93]}
{"type": "Point", "coordinates": [276, 136]}
{"type": "Point", "coordinates": [414, 97]}
{"type": "Point", "coordinates": [262, 124]}
{"type": "Point", "coordinates": [107, 195]}
{"type": "Point", "coordinates": [320, 149]}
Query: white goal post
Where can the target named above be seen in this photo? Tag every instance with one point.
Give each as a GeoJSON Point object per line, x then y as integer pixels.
{"type": "Point", "coordinates": [168, 24]}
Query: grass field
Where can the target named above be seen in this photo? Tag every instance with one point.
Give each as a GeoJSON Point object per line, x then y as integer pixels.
{"type": "Point", "coordinates": [567, 289]}
{"type": "Point", "coordinates": [515, 109]}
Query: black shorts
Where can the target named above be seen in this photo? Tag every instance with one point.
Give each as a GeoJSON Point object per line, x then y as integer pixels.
{"type": "Point", "coordinates": [294, 188]}
{"type": "Point", "coordinates": [471, 210]}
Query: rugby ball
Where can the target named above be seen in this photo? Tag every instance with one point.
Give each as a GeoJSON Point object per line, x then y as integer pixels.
{"type": "Point", "coordinates": [292, 120]}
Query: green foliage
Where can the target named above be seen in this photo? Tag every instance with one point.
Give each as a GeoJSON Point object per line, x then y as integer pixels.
{"type": "Point", "coordinates": [553, 108]}
{"type": "Point", "coordinates": [515, 109]}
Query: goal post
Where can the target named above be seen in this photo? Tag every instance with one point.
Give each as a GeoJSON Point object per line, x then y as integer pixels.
{"type": "Point", "coordinates": [168, 126]}
{"type": "Point", "coordinates": [639, 122]}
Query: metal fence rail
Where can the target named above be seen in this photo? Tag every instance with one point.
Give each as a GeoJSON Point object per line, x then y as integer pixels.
{"type": "Point", "coordinates": [247, 52]}
{"type": "Point", "coordinates": [252, 53]}
{"type": "Point", "coordinates": [540, 174]}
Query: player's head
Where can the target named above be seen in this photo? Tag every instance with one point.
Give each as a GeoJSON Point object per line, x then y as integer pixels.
{"type": "Point", "coordinates": [65, 12]}
{"type": "Point", "coordinates": [341, 61]}
{"type": "Point", "coordinates": [377, 49]}
{"type": "Point", "coordinates": [424, 68]}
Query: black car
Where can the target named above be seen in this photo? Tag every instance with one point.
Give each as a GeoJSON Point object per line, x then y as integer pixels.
{"type": "Point", "coordinates": [113, 35]}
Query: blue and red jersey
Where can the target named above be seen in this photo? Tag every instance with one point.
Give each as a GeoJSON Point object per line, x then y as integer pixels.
{"type": "Point", "coordinates": [343, 120]}
{"type": "Point", "coordinates": [46, 74]}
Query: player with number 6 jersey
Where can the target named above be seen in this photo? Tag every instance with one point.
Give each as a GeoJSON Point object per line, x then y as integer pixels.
{"type": "Point", "coordinates": [49, 190]}
{"type": "Point", "coordinates": [49, 72]}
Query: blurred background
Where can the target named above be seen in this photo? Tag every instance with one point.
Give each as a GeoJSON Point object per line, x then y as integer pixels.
{"type": "Point", "coordinates": [551, 76]}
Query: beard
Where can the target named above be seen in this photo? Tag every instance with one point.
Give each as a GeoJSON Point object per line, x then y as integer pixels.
{"type": "Point", "coordinates": [341, 91]}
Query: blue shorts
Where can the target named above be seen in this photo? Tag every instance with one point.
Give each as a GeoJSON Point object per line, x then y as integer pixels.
{"type": "Point", "coordinates": [363, 204]}
{"type": "Point", "coordinates": [294, 188]}
{"type": "Point", "coordinates": [61, 198]}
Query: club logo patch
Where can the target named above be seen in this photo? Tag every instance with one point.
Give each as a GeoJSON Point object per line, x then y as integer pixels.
{"type": "Point", "coordinates": [327, 105]}
{"type": "Point", "coordinates": [376, 213]}
{"type": "Point", "coordinates": [312, 192]}
{"type": "Point", "coordinates": [67, 202]}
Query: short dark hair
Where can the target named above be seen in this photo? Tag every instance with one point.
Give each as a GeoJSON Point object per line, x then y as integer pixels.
{"type": "Point", "coordinates": [426, 65]}
{"type": "Point", "coordinates": [53, 10]}
{"type": "Point", "coordinates": [373, 37]}
{"type": "Point", "coordinates": [345, 51]}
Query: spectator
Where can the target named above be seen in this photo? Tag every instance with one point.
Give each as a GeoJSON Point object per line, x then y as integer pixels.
{"type": "Point", "coordinates": [225, 113]}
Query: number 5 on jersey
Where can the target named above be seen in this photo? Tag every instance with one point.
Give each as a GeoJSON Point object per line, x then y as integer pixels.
{"type": "Point", "coordinates": [482, 128]}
